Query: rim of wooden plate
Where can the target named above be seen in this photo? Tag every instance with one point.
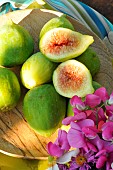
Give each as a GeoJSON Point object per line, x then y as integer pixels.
{"type": "Point", "coordinates": [17, 138]}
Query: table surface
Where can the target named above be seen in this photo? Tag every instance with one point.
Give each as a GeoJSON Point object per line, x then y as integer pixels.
{"type": "Point", "coordinates": [105, 7]}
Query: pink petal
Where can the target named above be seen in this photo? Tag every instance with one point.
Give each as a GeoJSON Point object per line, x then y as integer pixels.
{"type": "Point", "coordinates": [101, 114]}
{"type": "Point", "coordinates": [80, 116]}
{"type": "Point", "coordinates": [100, 124]}
{"type": "Point", "coordinates": [76, 139]}
{"type": "Point", "coordinates": [62, 140]}
{"type": "Point", "coordinates": [92, 100]}
{"type": "Point", "coordinates": [107, 134]}
{"type": "Point", "coordinates": [76, 111]}
{"type": "Point", "coordinates": [110, 101]}
{"type": "Point", "coordinates": [101, 161]}
{"type": "Point", "coordinates": [91, 147]}
{"type": "Point", "coordinates": [75, 126]}
{"type": "Point", "coordinates": [102, 93]}
{"type": "Point", "coordinates": [92, 116]}
{"type": "Point", "coordinates": [86, 122]}
{"type": "Point", "coordinates": [68, 120]}
{"type": "Point", "coordinates": [77, 102]}
{"type": "Point", "coordinates": [99, 143]}
{"type": "Point", "coordinates": [54, 150]}
{"type": "Point", "coordinates": [107, 124]}
{"type": "Point", "coordinates": [109, 110]}
{"type": "Point", "coordinates": [89, 132]}
{"type": "Point", "coordinates": [101, 152]}
{"type": "Point", "coordinates": [108, 146]}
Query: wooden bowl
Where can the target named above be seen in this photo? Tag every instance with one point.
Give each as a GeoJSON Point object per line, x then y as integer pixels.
{"type": "Point", "coordinates": [16, 137]}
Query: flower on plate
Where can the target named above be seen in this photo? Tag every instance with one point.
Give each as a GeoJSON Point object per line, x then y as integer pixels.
{"type": "Point", "coordinates": [88, 144]}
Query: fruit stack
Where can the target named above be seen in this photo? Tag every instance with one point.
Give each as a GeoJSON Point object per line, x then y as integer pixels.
{"type": "Point", "coordinates": [63, 67]}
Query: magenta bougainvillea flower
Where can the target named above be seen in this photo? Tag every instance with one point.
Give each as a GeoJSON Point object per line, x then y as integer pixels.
{"type": "Point", "coordinates": [88, 144]}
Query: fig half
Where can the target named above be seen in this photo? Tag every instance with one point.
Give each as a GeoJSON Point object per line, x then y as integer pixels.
{"type": "Point", "coordinates": [61, 44]}
{"type": "Point", "coordinates": [72, 78]}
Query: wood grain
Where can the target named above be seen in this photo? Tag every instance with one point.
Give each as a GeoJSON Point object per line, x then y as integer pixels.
{"type": "Point", "coordinates": [17, 138]}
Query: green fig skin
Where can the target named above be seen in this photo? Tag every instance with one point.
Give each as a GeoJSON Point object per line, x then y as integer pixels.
{"type": "Point", "coordinates": [16, 44]}
{"type": "Point", "coordinates": [44, 109]}
{"type": "Point", "coordinates": [61, 44]}
{"type": "Point", "coordinates": [69, 109]}
{"type": "Point", "coordinates": [56, 22]}
{"type": "Point", "coordinates": [96, 85]}
{"type": "Point", "coordinates": [91, 60]}
{"type": "Point", "coordinates": [10, 89]}
{"type": "Point", "coordinates": [37, 70]}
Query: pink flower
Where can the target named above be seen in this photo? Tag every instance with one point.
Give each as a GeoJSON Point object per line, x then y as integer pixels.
{"type": "Point", "coordinates": [107, 131]}
{"type": "Point", "coordinates": [79, 116]}
{"type": "Point", "coordinates": [92, 100]}
{"type": "Point", "coordinates": [110, 101]}
{"type": "Point", "coordinates": [96, 115]}
{"type": "Point", "coordinates": [80, 132]}
{"type": "Point", "coordinates": [105, 155]}
{"type": "Point", "coordinates": [77, 102]}
{"type": "Point", "coordinates": [102, 93]}
{"type": "Point", "coordinates": [91, 132]}
{"type": "Point", "coordinates": [54, 150]}
{"type": "Point", "coordinates": [62, 140]}
{"type": "Point", "coordinates": [60, 146]}
{"type": "Point", "coordinates": [82, 161]}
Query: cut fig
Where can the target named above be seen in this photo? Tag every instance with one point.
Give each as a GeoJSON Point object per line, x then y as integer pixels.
{"type": "Point", "coordinates": [61, 44]}
{"type": "Point", "coordinates": [72, 78]}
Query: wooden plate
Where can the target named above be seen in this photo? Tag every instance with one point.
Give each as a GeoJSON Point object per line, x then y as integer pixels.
{"type": "Point", "coordinates": [16, 137]}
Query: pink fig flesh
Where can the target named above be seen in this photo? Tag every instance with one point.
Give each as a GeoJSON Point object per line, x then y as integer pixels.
{"type": "Point", "coordinates": [72, 78]}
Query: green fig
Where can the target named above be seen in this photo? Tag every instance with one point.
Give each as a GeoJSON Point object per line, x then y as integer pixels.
{"type": "Point", "coordinates": [56, 22]}
{"type": "Point", "coordinates": [72, 78]}
{"type": "Point", "coordinates": [91, 60]}
{"type": "Point", "coordinates": [16, 44]}
{"type": "Point", "coordinates": [61, 44]}
{"type": "Point", "coordinates": [44, 109]}
{"type": "Point", "coordinates": [9, 89]}
{"type": "Point", "coordinates": [37, 70]}
{"type": "Point", "coordinates": [69, 109]}
{"type": "Point", "coordinates": [96, 85]}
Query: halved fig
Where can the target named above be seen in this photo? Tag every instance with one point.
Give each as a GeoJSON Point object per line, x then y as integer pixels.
{"type": "Point", "coordinates": [61, 44]}
{"type": "Point", "coordinates": [72, 78]}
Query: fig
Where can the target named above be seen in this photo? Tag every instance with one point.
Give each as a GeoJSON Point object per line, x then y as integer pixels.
{"type": "Point", "coordinates": [44, 109]}
{"type": "Point", "coordinates": [69, 109]}
{"type": "Point", "coordinates": [96, 85]}
{"type": "Point", "coordinates": [91, 60]}
{"type": "Point", "coordinates": [10, 90]}
{"type": "Point", "coordinates": [61, 44]}
{"type": "Point", "coordinates": [16, 44]}
{"type": "Point", "coordinates": [36, 70]}
{"type": "Point", "coordinates": [56, 22]}
{"type": "Point", "coordinates": [72, 78]}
